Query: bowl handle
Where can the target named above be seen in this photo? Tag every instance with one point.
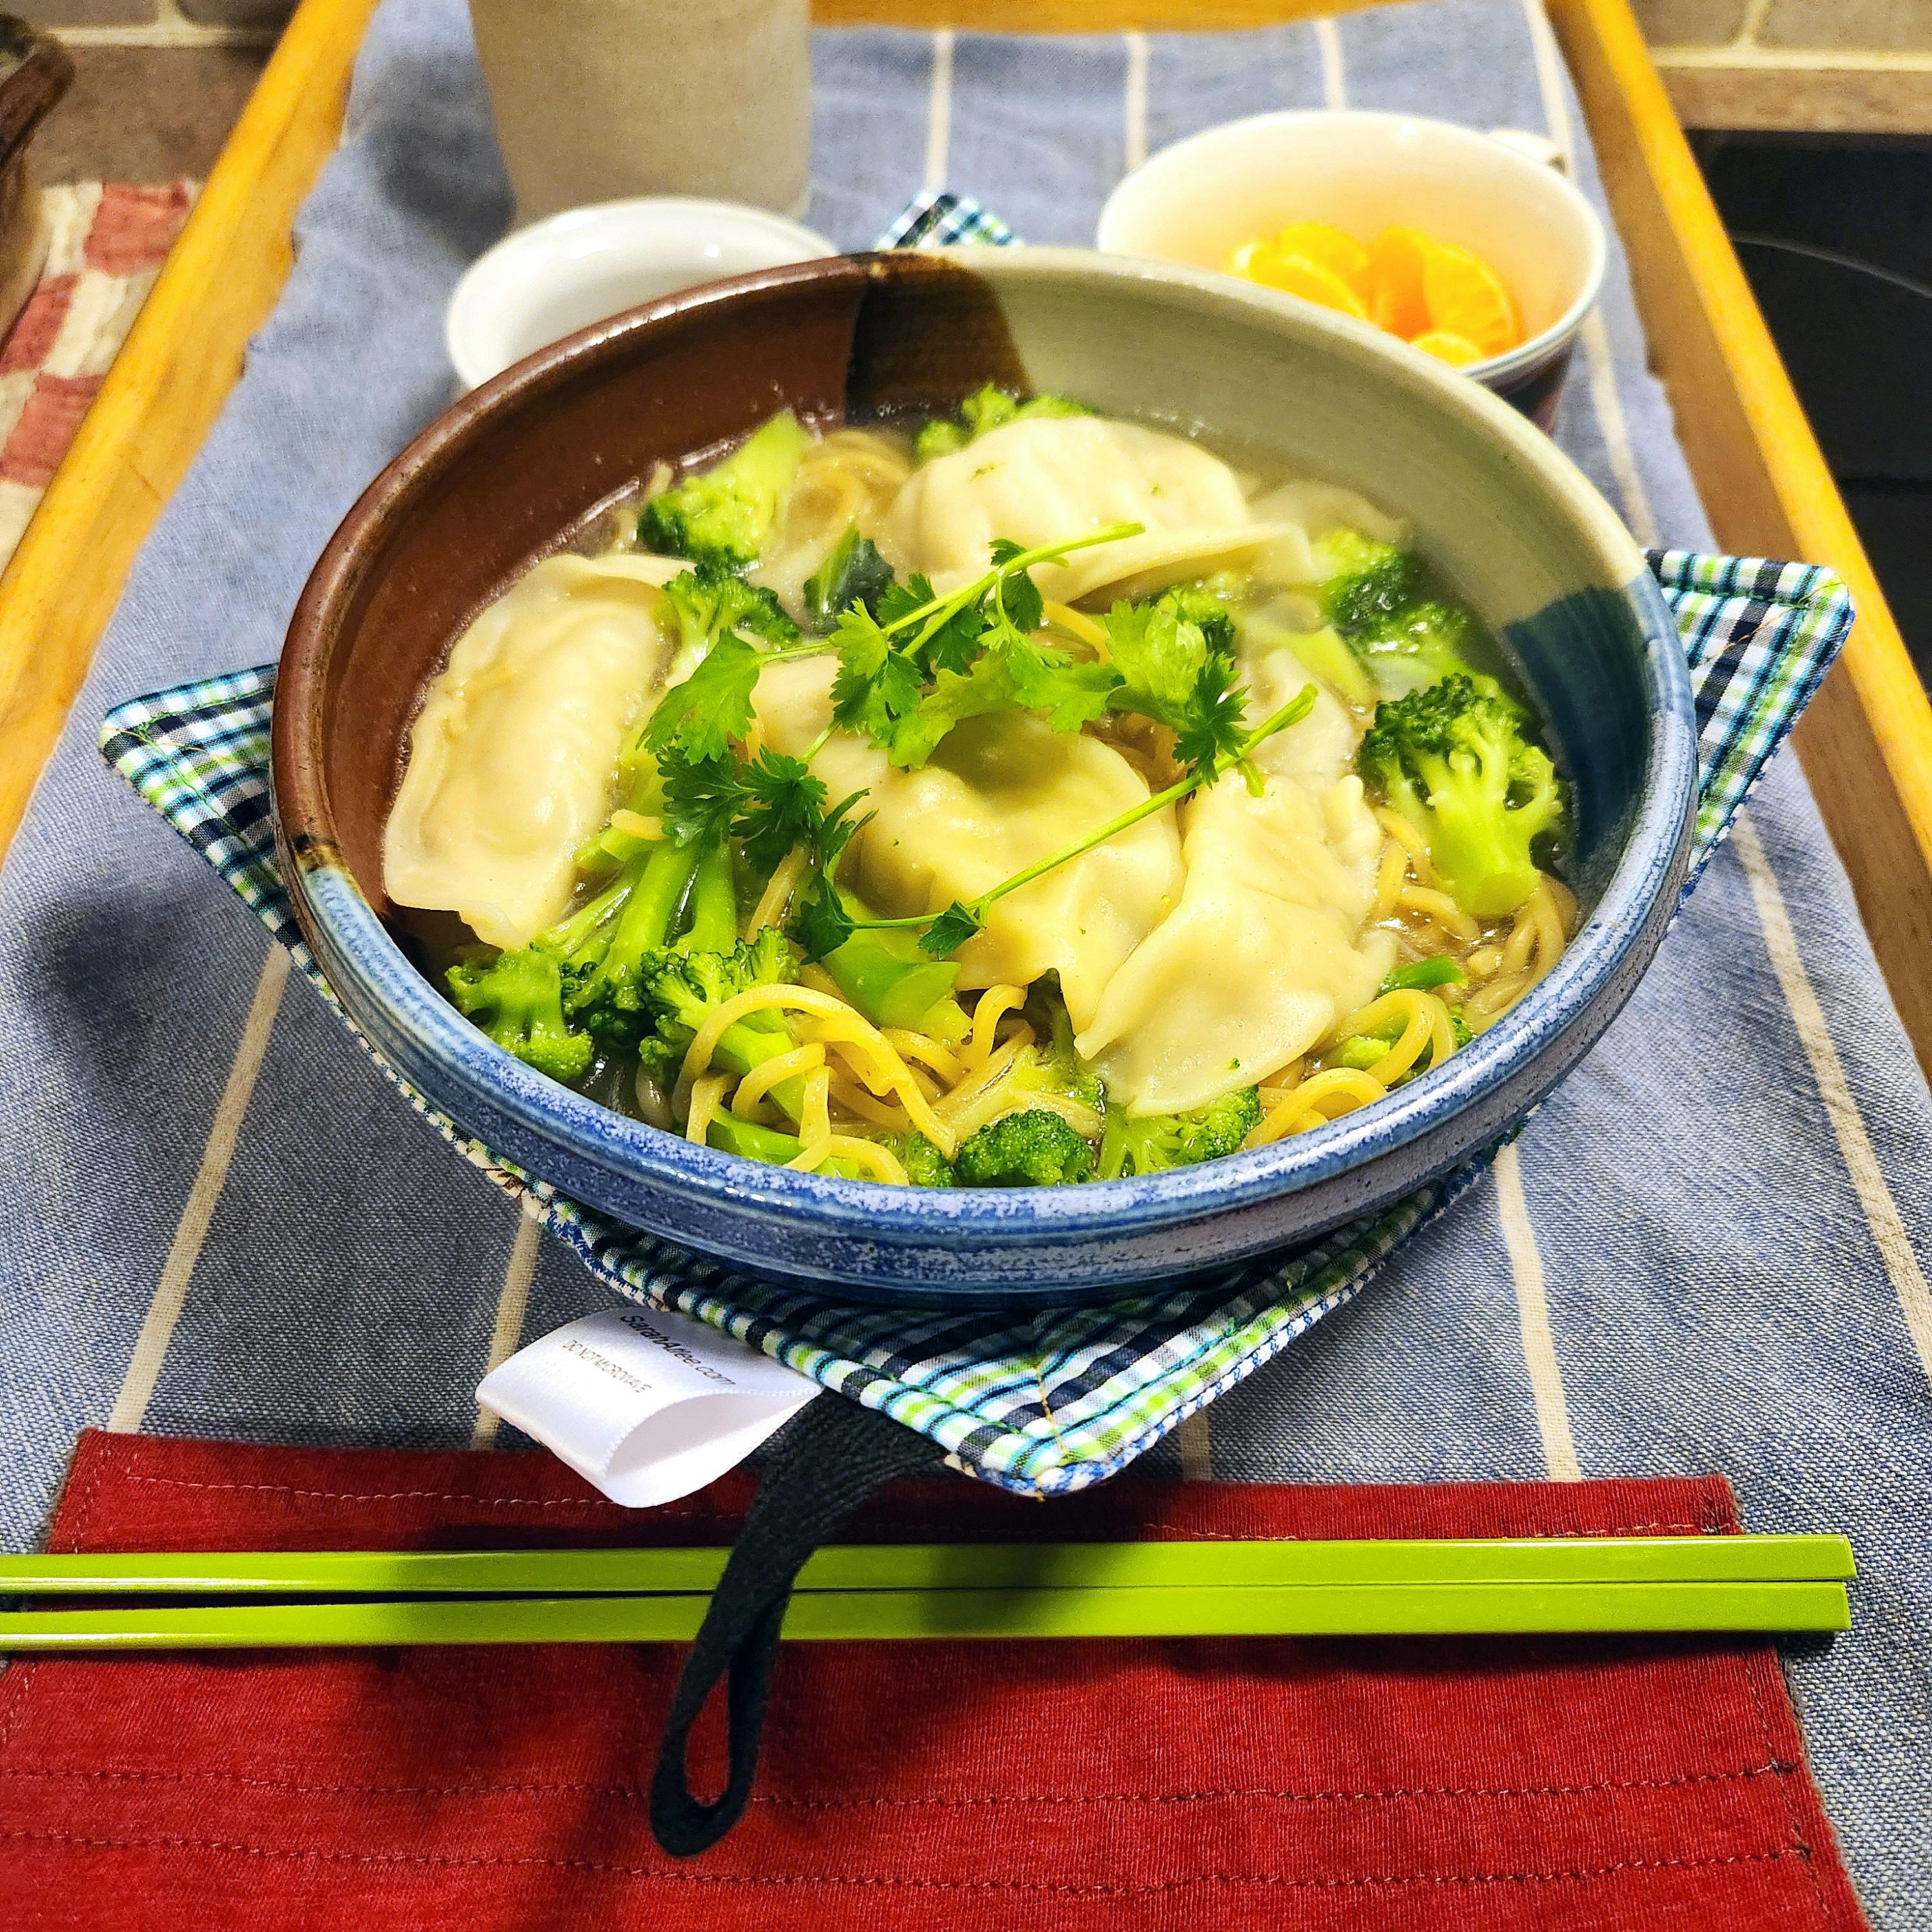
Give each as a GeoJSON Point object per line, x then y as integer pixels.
{"type": "Point", "coordinates": [1537, 148]}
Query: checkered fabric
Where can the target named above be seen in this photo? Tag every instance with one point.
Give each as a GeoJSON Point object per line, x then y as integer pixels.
{"type": "Point", "coordinates": [936, 217]}
{"type": "Point", "coordinates": [1037, 1402]}
{"type": "Point", "coordinates": [106, 243]}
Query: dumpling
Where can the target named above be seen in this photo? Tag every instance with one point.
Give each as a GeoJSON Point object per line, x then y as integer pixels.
{"type": "Point", "coordinates": [1317, 749]}
{"type": "Point", "coordinates": [1001, 792]}
{"type": "Point", "coordinates": [512, 760]}
{"type": "Point", "coordinates": [1043, 478]}
{"type": "Point", "coordinates": [1263, 953]}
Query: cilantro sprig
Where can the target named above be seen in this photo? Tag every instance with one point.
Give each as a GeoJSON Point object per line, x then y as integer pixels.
{"type": "Point", "coordinates": [910, 672]}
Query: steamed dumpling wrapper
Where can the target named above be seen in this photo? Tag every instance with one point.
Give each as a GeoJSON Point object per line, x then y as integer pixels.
{"type": "Point", "coordinates": [1040, 480]}
{"type": "Point", "coordinates": [513, 758]}
{"type": "Point", "coordinates": [1001, 792]}
{"type": "Point", "coordinates": [1263, 953]}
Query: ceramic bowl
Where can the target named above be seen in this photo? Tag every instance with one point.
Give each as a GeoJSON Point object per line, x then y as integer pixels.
{"type": "Point", "coordinates": [524, 463]}
{"type": "Point", "coordinates": [1499, 195]}
{"type": "Point", "coordinates": [559, 275]}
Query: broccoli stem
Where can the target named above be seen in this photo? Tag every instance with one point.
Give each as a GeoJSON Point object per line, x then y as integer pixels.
{"type": "Point", "coordinates": [714, 903]}
{"type": "Point", "coordinates": [729, 1134]}
{"type": "Point", "coordinates": [648, 912]}
{"type": "Point", "coordinates": [893, 989]}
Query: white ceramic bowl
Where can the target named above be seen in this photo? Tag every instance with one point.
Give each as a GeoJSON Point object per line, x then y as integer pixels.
{"type": "Point", "coordinates": [560, 274]}
{"type": "Point", "coordinates": [1197, 201]}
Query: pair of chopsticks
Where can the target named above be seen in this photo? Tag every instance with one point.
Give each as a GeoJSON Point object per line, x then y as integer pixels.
{"type": "Point", "coordinates": [1409, 1589]}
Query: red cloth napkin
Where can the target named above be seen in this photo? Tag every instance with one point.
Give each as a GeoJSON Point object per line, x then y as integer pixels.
{"type": "Point", "coordinates": [1412, 1786]}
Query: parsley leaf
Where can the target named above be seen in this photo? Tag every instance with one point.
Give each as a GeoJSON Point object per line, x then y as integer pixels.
{"type": "Point", "coordinates": [949, 932]}
{"type": "Point", "coordinates": [702, 716]}
{"type": "Point", "coordinates": [1068, 692]}
{"type": "Point", "coordinates": [785, 805]}
{"type": "Point", "coordinates": [1169, 672]}
{"type": "Point", "coordinates": [819, 922]}
{"type": "Point", "coordinates": [876, 686]}
{"type": "Point", "coordinates": [701, 795]}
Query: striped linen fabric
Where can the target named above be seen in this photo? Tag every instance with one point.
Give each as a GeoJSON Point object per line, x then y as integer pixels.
{"type": "Point", "coordinates": [1038, 1403]}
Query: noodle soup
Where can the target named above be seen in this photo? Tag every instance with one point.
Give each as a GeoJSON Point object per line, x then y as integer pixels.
{"type": "Point", "coordinates": [1018, 797]}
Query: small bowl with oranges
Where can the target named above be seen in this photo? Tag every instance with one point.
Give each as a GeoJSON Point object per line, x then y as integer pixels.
{"type": "Point", "coordinates": [1470, 247]}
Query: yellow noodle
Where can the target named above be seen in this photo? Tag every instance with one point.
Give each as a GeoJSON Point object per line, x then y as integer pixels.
{"type": "Point", "coordinates": [705, 1096]}
{"type": "Point", "coordinates": [1564, 901]}
{"type": "Point", "coordinates": [862, 1066]}
{"type": "Point", "coordinates": [1077, 624]}
{"type": "Point", "coordinates": [995, 1002]}
{"type": "Point", "coordinates": [922, 1046]}
{"type": "Point", "coordinates": [1440, 907]}
{"type": "Point", "coordinates": [1521, 943]}
{"type": "Point", "coordinates": [778, 890]}
{"type": "Point", "coordinates": [1425, 1021]}
{"type": "Point", "coordinates": [881, 1160]}
{"type": "Point", "coordinates": [1484, 960]}
{"type": "Point", "coordinates": [766, 1075]}
{"type": "Point", "coordinates": [636, 823]}
{"type": "Point", "coordinates": [1489, 1003]}
{"type": "Point", "coordinates": [1390, 877]}
{"type": "Point", "coordinates": [1304, 1106]}
{"type": "Point", "coordinates": [981, 1079]}
{"type": "Point", "coordinates": [854, 1098]}
{"type": "Point", "coordinates": [995, 1102]}
{"type": "Point", "coordinates": [1405, 834]}
{"type": "Point", "coordinates": [816, 1122]}
{"type": "Point", "coordinates": [754, 740]}
{"type": "Point", "coordinates": [851, 1025]}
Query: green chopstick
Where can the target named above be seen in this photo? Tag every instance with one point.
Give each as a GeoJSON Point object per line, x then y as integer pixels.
{"type": "Point", "coordinates": [931, 1567]}
{"type": "Point", "coordinates": [1353, 1609]}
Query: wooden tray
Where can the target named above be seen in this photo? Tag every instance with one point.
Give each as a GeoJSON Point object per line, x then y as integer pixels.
{"type": "Point", "coordinates": [1867, 744]}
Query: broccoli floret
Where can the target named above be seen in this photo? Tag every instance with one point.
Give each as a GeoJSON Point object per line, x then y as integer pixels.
{"type": "Point", "coordinates": [517, 998]}
{"type": "Point", "coordinates": [678, 992]}
{"type": "Point", "coordinates": [926, 1166]}
{"type": "Point", "coordinates": [724, 515]}
{"type": "Point", "coordinates": [990, 407]}
{"type": "Point", "coordinates": [1366, 584]}
{"type": "Point", "coordinates": [1435, 634]}
{"type": "Point", "coordinates": [1208, 614]}
{"type": "Point", "coordinates": [1454, 760]}
{"type": "Point", "coordinates": [602, 955]}
{"type": "Point", "coordinates": [1157, 1141]}
{"type": "Point", "coordinates": [853, 572]}
{"type": "Point", "coordinates": [709, 601]}
{"type": "Point", "coordinates": [1034, 1149]}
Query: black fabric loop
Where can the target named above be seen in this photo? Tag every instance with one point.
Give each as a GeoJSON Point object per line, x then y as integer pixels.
{"type": "Point", "coordinates": [824, 1466]}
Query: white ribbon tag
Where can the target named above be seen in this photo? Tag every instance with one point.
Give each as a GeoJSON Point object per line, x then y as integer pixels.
{"type": "Point", "coordinates": [647, 1405]}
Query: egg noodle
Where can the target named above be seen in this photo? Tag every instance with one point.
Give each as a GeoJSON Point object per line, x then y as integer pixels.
{"type": "Point", "coordinates": [862, 1081]}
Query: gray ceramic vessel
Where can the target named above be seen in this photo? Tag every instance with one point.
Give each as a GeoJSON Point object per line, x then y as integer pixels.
{"type": "Point", "coordinates": [523, 464]}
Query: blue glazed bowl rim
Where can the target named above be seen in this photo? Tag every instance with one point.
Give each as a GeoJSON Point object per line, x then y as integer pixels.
{"type": "Point", "coordinates": [427, 1036]}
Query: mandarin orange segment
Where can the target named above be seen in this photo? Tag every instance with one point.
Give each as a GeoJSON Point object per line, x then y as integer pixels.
{"type": "Point", "coordinates": [1464, 297]}
{"type": "Point", "coordinates": [1457, 350]}
{"type": "Point", "coordinates": [1297, 275]}
{"type": "Point", "coordinates": [1322, 242]}
{"type": "Point", "coordinates": [1395, 257]}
